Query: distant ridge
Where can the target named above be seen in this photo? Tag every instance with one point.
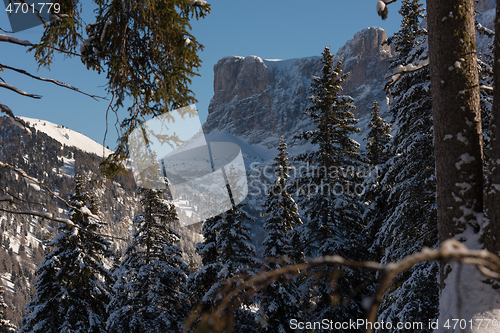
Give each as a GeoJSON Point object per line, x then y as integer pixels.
{"type": "Point", "coordinates": [67, 136]}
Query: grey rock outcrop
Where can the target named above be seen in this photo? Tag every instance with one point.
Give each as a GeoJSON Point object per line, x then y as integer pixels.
{"type": "Point", "coordinates": [260, 100]}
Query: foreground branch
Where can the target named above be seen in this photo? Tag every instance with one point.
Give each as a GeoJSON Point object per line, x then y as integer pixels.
{"type": "Point", "coordinates": [56, 82]}
{"type": "Point", "coordinates": [47, 215]}
{"type": "Point", "coordinates": [450, 251]}
{"type": "Point", "coordinates": [19, 91]}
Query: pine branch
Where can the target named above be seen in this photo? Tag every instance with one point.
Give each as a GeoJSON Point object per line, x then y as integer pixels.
{"type": "Point", "coordinates": [56, 82]}
{"type": "Point", "coordinates": [449, 251]}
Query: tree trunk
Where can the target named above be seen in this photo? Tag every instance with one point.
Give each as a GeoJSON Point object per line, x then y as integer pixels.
{"type": "Point", "coordinates": [491, 235]}
{"type": "Point", "coordinates": [457, 117]}
{"type": "Point", "coordinates": [459, 157]}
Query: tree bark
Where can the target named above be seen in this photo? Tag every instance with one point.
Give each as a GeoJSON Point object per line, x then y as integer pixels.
{"type": "Point", "coordinates": [459, 158]}
{"type": "Point", "coordinates": [457, 117]}
{"type": "Point", "coordinates": [491, 235]}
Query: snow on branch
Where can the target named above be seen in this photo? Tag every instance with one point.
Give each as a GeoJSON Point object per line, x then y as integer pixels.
{"type": "Point", "coordinates": [25, 175]}
{"type": "Point", "coordinates": [14, 40]}
{"type": "Point", "coordinates": [56, 82]}
{"type": "Point", "coordinates": [400, 71]}
{"type": "Point", "coordinates": [47, 215]}
{"type": "Point", "coordinates": [449, 251]}
{"type": "Point", "coordinates": [382, 10]}
{"type": "Point", "coordinates": [486, 88]}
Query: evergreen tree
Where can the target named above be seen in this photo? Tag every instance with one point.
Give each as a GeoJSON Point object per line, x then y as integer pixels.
{"type": "Point", "coordinates": [280, 301]}
{"type": "Point", "coordinates": [201, 281]}
{"type": "Point", "coordinates": [72, 282]}
{"type": "Point", "coordinates": [228, 250]}
{"type": "Point", "coordinates": [5, 325]}
{"type": "Point", "coordinates": [235, 252]}
{"type": "Point", "coordinates": [150, 294]}
{"type": "Point", "coordinates": [409, 219]}
{"type": "Point", "coordinates": [377, 145]}
{"type": "Point", "coordinates": [375, 194]}
{"type": "Point", "coordinates": [328, 196]}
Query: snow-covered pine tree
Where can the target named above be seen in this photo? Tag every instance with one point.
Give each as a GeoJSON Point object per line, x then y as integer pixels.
{"type": "Point", "coordinates": [5, 325]}
{"type": "Point", "coordinates": [328, 196]}
{"type": "Point", "coordinates": [201, 281]}
{"type": "Point", "coordinates": [236, 258]}
{"type": "Point", "coordinates": [378, 138]}
{"type": "Point", "coordinates": [375, 194]}
{"type": "Point", "coordinates": [72, 282]}
{"type": "Point", "coordinates": [280, 300]}
{"type": "Point", "coordinates": [410, 217]}
{"type": "Point", "coordinates": [150, 293]}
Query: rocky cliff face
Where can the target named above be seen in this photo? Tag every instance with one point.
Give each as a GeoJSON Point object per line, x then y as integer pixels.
{"type": "Point", "coordinates": [260, 100]}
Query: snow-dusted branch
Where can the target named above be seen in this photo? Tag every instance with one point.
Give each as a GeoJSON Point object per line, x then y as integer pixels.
{"type": "Point", "coordinates": [56, 82]}
{"type": "Point", "coordinates": [50, 216]}
{"type": "Point", "coordinates": [449, 251]}
{"type": "Point", "coordinates": [25, 175]}
{"type": "Point", "coordinates": [14, 40]}
{"type": "Point", "coordinates": [47, 215]}
{"type": "Point", "coordinates": [401, 70]}
{"type": "Point", "coordinates": [382, 10]}
{"type": "Point", "coordinates": [486, 88]}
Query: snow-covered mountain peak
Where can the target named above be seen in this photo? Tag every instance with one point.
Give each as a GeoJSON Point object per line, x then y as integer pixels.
{"type": "Point", "coordinates": [67, 137]}
{"type": "Point", "coordinates": [260, 100]}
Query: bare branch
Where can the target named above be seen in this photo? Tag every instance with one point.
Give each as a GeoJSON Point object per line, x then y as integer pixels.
{"type": "Point", "coordinates": [20, 92]}
{"type": "Point", "coordinates": [450, 250]}
{"type": "Point", "coordinates": [56, 82]}
{"type": "Point", "coordinates": [17, 41]}
{"type": "Point", "coordinates": [5, 109]}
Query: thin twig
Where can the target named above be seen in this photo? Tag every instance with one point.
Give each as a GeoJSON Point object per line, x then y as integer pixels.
{"type": "Point", "coordinates": [449, 251]}
{"type": "Point", "coordinates": [56, 82]}
{"type": "Point", "coordinates": [20, 92]}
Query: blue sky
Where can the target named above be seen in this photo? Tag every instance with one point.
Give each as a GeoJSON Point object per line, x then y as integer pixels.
{"type": "Point", "coordinates": [270, 29]}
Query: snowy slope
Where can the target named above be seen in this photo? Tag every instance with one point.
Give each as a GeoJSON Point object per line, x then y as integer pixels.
{"type": "Point", "coordinates": [68, 137]}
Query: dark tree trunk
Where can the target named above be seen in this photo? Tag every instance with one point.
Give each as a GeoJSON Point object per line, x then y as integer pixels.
{"type": "Point", "coordinates": [457, 117]}
{"type": "Point", "coordinates": [491, 236]}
